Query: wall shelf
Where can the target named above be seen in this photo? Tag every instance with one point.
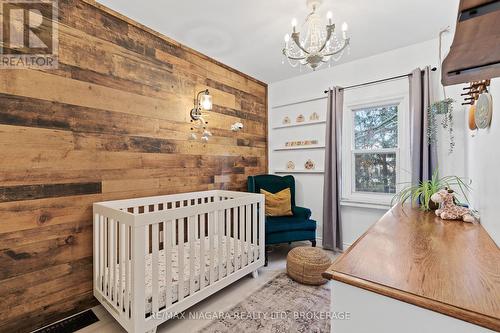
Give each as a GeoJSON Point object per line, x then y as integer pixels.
{"type": "Point", "coordinates": [298, 171]}
{"type": "Point", "coordinates": [301, 124]}
{"type": "Point", "coordinates": [300, 147]}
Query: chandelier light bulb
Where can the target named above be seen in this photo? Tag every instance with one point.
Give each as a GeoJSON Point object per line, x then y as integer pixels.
{"type": "Point", "coordinates": [294, 24]}
{"type": "Point", "coordinates": [345, 27]}
{"type": "Point", "coordinates": [287, 38]}
{"type": "Point", "coordinates": [329, 16]}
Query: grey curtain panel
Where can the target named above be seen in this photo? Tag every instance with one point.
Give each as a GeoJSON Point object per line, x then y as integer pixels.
{"type": "Point", "coordinates": [332, 225]}
{"type": "Point", "coordinates": [423, 153]}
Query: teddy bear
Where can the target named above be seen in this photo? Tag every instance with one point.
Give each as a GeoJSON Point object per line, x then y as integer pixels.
{"type": "Point", "coordinates": [448, 210]}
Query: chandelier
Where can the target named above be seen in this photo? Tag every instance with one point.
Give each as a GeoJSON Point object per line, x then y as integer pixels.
{"type": "Point", "coordinates": [319, 45]}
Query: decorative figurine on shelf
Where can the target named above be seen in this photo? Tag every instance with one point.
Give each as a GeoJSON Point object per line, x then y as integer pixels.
{"type": "Point", "coordinates": [300, 118]}
{"type": "Point", "coordinates": [314, 117]}
{"type": "Point", "coordinates": [286, 121]}
{"type": "Point", "coordinates": [290, 165]}
{"type": "Point", "coordinates": [309, 165]}
{"type": "Point", "coordinates": [448, 210]}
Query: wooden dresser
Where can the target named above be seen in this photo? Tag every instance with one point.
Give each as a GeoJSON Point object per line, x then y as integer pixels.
{"type": "Point", "coordinates": [413, 271]}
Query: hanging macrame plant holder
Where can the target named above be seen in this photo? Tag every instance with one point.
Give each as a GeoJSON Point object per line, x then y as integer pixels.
{"type": "Point", "coordinates": [443, 107]}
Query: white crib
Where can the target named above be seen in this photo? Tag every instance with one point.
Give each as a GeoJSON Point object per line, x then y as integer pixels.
{"type": "Point", "coordinates": [155, 257]}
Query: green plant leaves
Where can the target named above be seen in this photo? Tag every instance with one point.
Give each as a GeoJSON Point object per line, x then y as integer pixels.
{"type": "Point", "coordinates": [422, 192]}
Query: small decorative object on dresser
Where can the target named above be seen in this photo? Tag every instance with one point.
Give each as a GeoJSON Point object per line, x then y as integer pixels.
{"type": "Point", "coordinates": [300, 118]}
{"type": "Point", "coordinates": [309, 165]}
{"type": "Point", "coordinates": [290, 165]}
{"type": "Point", "coordinates": [286, 121]}
{"type": "Point", "coordinates": [448, 210]}
{"type": "Point", "coordinates": [314, 117]}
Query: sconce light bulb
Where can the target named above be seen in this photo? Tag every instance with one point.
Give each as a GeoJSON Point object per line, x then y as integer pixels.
{"type": "Point", "coordinates": [344, 27]}
{"type": "Point", "coordinates": [294, 22]}
{"type": "Point", "coordinates": [287, 38]}
{"type": "Point", "coordinates": [206, 102]}
{"type": "Point", "coordinates": [329, 15]}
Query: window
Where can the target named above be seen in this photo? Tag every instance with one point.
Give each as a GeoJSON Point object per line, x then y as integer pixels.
{"type": "Point", "coordinates": [375, 150]}
{"type": "Point", "coordinates": [375, 147]}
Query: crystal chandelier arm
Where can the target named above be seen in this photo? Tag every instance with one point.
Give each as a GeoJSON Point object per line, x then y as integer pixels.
{"type": "Point", "coordinates": [290, 57]}
{"type": "Point", "coordinates": [346, 43]}
{"type": "Point", "coordinates": [296, 40]}
{"type": "Point", "coordinates": [329, 31]}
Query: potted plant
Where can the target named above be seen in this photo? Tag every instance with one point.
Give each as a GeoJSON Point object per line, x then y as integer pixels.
{"type": "Point", "coordinates": [421, 193]}
{"type": "Point", "coordinates": [445, 108]}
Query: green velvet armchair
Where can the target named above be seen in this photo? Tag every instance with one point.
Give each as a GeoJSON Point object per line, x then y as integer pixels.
{"type": "Point", "coordinates": [284, 229]}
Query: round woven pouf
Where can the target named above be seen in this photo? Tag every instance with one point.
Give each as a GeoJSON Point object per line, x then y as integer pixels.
{"type": "Point", "coordinates": [305, 265]}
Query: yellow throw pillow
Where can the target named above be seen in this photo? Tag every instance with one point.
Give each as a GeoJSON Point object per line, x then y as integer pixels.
{"type": "Point", "coordinates": [278, 204]}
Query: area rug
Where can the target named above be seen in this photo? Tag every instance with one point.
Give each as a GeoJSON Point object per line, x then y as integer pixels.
{"type": "Point", "coordinates": [280, 306]}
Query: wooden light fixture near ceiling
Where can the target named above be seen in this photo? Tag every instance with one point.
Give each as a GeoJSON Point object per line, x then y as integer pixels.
{"type": "Point", "coordinates": [475, 52]}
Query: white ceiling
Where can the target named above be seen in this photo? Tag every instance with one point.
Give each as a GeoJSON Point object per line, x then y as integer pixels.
{"type": "Point", "coordinates": [248, 35]}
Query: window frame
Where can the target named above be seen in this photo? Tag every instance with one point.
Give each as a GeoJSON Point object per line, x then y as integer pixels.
{"type": "Point", "coordinates": [403, 174]}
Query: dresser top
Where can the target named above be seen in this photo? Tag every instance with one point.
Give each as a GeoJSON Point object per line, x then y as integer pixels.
{"type": "Point", "coordinates": [451, 267]}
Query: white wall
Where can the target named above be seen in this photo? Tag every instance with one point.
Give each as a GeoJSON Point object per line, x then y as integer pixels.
{"type": "Point", "coordinates": [476, 156]}
{"type": "Point", "coordinates": [483, 167]}
{"type": "Point", "coordinates": [312, 85]}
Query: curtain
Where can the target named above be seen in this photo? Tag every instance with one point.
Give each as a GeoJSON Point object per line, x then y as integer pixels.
{"type": "Point", "coordinates": [423, 153]}
{"type": "Point", "coordinates": [332, 226]}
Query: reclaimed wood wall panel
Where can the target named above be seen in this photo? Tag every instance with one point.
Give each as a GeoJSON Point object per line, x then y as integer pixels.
{"type": "Point", "coordinates": [112, 122]}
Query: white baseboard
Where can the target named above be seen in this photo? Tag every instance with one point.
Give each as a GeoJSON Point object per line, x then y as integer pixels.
{"type": "Point", "coordinates": [346, 245]}
{"type": "Point", "coordinates": [319, 243]}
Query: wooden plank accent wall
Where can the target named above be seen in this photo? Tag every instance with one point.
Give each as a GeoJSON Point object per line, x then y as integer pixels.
{"type": "Point", "coordinates": [111, 122]}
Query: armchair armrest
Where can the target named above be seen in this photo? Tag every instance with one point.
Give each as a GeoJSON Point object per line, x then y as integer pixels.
{"type": "Point", "coordinates": [301, 212]}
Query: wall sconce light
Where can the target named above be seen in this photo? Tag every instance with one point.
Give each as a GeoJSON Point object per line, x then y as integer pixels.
{"type": "Point", "coordinates": [203, 101]}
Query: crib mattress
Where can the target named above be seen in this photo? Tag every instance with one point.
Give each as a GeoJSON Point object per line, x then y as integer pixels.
{"type": "Point", "coordinates": [201, 271]}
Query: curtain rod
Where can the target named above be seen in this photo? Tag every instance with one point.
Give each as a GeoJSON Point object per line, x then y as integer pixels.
{"type": "Point", "coordinates": [379, 81]}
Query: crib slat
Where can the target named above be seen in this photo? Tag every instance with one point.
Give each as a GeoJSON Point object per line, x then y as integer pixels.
{"type": "Point", "coordinates": [196, 228]}
{"type": "Point", "coordinates": [254, 232]}
{"type": "Point", "coordinates": [102, 253]}
{"type": "Point", "coordinates": [239, 262]}
{"type": "Point", "coordinates": [212, 222]}
{"type": "Point", "coordinates": [138, 273]}
{"type": "Point", "coordinates": [260, 222]}
{"type": "Point", "coordinates": [106, 256]}
{"type": "Point", "coordinates": [121, 264]}
{"type": "Point", "coordinates": [192, 257]}
{"type": "Point", "coordinates": [155, 277]}
{"type": "Point", "coordinates": [228, 241]}
{"type": "Point", "coordinates": [180, 251]}
{"type": "Point", "coordinates": [219, 242]}
{"type": "Point", "coordinates": [248, 259]}
{"type": "Point", "coordinates": [112, 258]}
{"type": "Point", "coordinates": [203, 261]}
{"type": "Point", "coordinates": [127, 280]}
{"type": "Point", "coordinates": [96, 249]}
{"type": "Point", "coordinates": [167, 228]}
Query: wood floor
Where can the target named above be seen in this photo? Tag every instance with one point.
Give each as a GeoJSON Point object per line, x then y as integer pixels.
{"type": "Point", "coordinates": [221, 301]}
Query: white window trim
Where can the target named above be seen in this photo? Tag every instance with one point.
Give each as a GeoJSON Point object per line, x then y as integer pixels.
{"type": "Point", "coordinates": [403, 162]}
